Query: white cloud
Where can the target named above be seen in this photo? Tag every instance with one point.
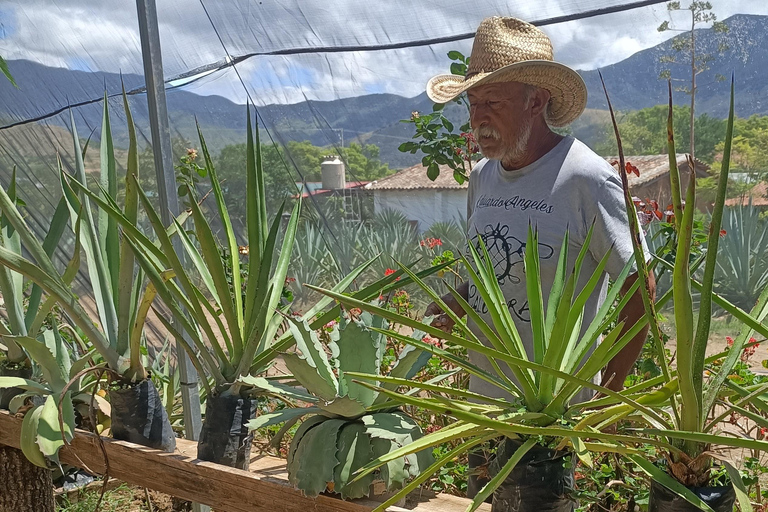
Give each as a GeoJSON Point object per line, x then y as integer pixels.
{"type": "Point", "coordinates": [104, 36]}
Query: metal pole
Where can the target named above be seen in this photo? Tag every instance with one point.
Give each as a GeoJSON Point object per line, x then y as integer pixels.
{"type": "Point", "coordinates": [166, 190]}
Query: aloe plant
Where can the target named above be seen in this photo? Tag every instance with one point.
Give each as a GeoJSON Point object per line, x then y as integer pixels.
{"type": "Point", "coordinates": [349, 424]}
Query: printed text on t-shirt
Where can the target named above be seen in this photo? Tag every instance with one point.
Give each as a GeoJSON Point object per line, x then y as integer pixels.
{"type": "Point", "coordinates": [518, 202]}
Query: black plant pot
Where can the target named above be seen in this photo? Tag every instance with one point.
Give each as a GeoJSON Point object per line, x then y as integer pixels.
{"type": "Point", "coordinates": [224, 438]}
{"type": "Point", "coordinates": [720, 499]}
{"type": "Point", "coordinates": [138, 416]}
{"type": "Point", "coordinates": [7, 394]}
{"type": "Point", "coordinates": [540, 482]}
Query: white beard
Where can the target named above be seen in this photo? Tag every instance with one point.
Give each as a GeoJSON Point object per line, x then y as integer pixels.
{"type": "Point", "coordinates": [510, 154]}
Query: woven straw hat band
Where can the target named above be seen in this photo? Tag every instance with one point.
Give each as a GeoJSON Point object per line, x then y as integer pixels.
{"type": "Point", "coordinates": [493, 48]}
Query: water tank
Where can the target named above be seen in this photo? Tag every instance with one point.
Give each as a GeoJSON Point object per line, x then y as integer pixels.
{"type": "Point", "coordinates": [332, 170]}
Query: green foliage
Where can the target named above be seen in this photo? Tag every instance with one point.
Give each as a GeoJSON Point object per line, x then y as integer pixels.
{"type": "Point", "coordinates": [643, 132]}
{"type": "Point", "coordinates": [742, 263]}
{"type": "Point", "coordinates": [362, 163]}
{"type": "Point", "coordinates": [357, 417]}
{"type": "Point", "coordinates": [437, 137]}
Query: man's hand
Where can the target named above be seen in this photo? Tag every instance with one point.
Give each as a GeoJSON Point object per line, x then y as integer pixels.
{"type": "Point", "coordinates": [442, 321]}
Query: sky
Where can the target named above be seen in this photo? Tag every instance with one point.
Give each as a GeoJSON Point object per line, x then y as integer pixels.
{"type": "Point", "coordinates": [99, 35]}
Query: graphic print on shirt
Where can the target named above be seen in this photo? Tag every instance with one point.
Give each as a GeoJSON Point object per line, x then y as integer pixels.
{"type": "Point", "coordinates": [506, 252]}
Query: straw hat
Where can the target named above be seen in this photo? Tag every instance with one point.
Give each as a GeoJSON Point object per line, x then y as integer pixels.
{"type": "Point", "coordinates": [511, 50]}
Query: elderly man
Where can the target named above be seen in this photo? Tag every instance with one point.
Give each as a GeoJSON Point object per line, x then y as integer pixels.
{"type": "Point", "coordinates": [533, 176]}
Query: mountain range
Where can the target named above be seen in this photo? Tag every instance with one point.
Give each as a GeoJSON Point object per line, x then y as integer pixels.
{"type": "Point", "coordinates": [633, 83]}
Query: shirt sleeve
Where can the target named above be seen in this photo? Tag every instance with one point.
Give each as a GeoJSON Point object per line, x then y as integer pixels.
{"type": "Point", "coordinates": [611, 227]}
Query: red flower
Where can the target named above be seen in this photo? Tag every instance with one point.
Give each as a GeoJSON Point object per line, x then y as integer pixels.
{"type": "Point", "coordinates": [729, 341]}
{"type": "Point", "coordinates": [431, 242]}
{"type": "Point", "coordinates": [432, 341]}
{"type": "Point", "coordinates": [389, 272]}
{"type": "Point", "coordinates": [763, 432]}
{"type": "Point", "coordinates": [722, 233]}
{"type": "Point", "coordinates": [289, 280]}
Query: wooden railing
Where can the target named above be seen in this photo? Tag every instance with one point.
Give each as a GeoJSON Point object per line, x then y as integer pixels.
{"type": "Point", "coordinates": [264, 487]}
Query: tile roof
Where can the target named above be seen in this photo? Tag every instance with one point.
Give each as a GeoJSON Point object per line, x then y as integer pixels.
{"type": "Point", "coordinates": [415, 178]}
{"type": "Point", "coordinates": [758, 194]}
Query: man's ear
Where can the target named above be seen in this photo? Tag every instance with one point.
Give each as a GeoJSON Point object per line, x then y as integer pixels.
{"type": "Point", "coordinates": [538, 101]}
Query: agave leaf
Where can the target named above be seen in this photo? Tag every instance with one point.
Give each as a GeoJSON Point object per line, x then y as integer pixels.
{"type": "Point", "coordinates": [699, 347]}
{"type": "Point", "coordinates": [41, 354]}
{"type": "Point", "coordinates": [277, 389]}
{"type": "Point", "coordinates": [49, 434]}
{"type": "Point", "coordinates": [108, 239]}
{"type": "Point", "coordinates": [359, 351]}
{"type": "Point", "coordinates": [742, 494]}
{"type": "Point", "coordinates": [670, 483]}
{"type": "Point", "coordinates": [98, 271]}
{"type": "Point", "coordinates": [51, 241]}
{"type": "Point", "coordinates": [343, 406]}
{"type": "Point", "coordinates": [28, 441]}
{"type": "Point", "coordinates": [233, 252]}
{"type": "Point", "coordinates": [59, 349]}
{"type": "Point", "coordinates": [256, 213]}
{"type": "Point", "coordinates": [556, 292]}
{"type": "Point", "coordinates": [305, 427]}
{"type": "Point", "coordinates": [354, 451]}
{"type": "Point", "coordinates": [212, 257]}
{"type": "Point", "coordinates": [314, 458]}
{"type": "Point", "coordinates": [125, 274]}
{"type": "Point", "coordinates": [19, 382]}
{"type": "Point", "coordinates": [535, 297]}
{"type": "Point", "coordinates": [313, 354]}
{"type": "Point", "coordinates": [309, 377]}
{"type": "Point", "coordinates": [393, 473]}
{"type": "Point", "coordinates": [283, 415]}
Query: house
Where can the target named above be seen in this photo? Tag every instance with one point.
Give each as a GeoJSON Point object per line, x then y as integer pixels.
{"type": "Point", "coordinates": [425, 202]}
{"type": "Point", "coordinates": [653, 182]}
{"type": "Point", "coordinates": [420, 199]}
{"type": "Point", "coordinates": [757, 196]}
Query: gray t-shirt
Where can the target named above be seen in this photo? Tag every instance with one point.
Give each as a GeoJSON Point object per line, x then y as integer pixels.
{"type": "Point", "coordinates": [566, 189]}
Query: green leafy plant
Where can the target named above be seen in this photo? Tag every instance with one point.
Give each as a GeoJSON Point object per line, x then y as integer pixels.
{"type": "Point", "coordinates": [364, 423]}
{"type": "Point", "coordinates": [437, 137]}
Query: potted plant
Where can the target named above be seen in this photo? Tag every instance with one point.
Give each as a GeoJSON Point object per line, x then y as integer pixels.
{"type": "Point", "coordinates": [229, 321]}
{"type": "Point", "coordinates": [349, 424]}
{"type": "Point", "coordinates": [700, 404]}
{"type": "Point", "coordinates": [121, 297]}
{"type": "Point", "coordinates": [543, 428]}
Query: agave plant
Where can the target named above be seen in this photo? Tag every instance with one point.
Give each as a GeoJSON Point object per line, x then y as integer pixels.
{"type": "Point", "coordinates": [742, 263]}
{"type": "Point", "coordinates": [686, 427]}
{"type": "Point", "coordinates": [349, 424]}
{"type": "Point", "coordinates": [228, 335]}
{"type": "Point", "coordinates": [61, 384]}
{"type": "Point", "coordinates": [545, 386]}
{"type": "Point", "coordinates": [122, 300]}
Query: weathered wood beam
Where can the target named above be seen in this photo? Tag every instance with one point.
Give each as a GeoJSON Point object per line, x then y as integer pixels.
{"type": "Point", "coordinates": [264, 488]}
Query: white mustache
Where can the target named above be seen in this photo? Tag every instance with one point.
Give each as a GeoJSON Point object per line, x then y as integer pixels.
{"type": "Point", "coordinates": [486, 131]}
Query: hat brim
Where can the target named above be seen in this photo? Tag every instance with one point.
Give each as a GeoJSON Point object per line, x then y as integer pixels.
{"type": "Point", "coordinates": [566, 87]}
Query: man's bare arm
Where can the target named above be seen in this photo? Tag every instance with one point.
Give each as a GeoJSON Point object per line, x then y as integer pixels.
{"type": "Point", "coordinates": [443, 321]}
{"type": "Point", "coordinates": [620, 366]}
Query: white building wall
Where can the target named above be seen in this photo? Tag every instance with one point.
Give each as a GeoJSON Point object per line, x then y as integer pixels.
{"type": "Point", "coordinates": [425, 206]}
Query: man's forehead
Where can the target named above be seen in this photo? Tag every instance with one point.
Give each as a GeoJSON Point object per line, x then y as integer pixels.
{"type": "Point", "coordinates": [503, 90]}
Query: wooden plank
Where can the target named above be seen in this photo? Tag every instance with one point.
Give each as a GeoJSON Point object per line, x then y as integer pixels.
{"type": "Point", "coordinates": [264, 488]}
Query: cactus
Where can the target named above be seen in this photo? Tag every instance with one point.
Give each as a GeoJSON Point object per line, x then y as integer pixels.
{"type": "Point", "coordinates": [360, 421]}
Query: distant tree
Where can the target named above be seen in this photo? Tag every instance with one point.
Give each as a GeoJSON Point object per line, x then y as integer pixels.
{"type": "Point", "coordinates": [684, 47]}
{"type": "Point", "coordinates": [363, 162]}
{"type": "Point", "coordinates": [644, 132]}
